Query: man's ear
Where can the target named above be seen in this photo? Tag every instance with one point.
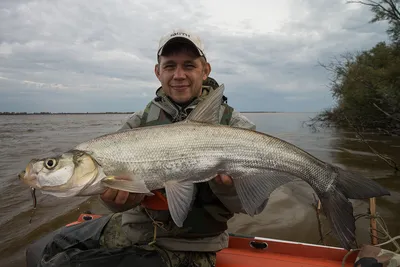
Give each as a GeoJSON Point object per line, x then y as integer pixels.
{"type": "Point", "coordinates": [207, 70]}
{"type": "Point", "coordinates": [157, 71]}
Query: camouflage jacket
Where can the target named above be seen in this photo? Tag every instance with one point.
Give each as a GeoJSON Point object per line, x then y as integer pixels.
{"type": "Point", "coordinates": [205, 228]}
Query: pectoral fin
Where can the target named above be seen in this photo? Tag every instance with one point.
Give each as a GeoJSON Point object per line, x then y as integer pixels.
{"type": "Point", "coordinates": [254, 190]}
{"type": "Point", "coordinates": [180, 197]}
{"type": "Point", "coordinates": [130, 185]}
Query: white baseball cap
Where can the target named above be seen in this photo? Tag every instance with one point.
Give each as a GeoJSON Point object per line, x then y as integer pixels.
{"type": "Point", "coordinates": [181, 34]}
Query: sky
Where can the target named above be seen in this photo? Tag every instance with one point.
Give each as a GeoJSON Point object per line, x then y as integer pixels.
{"type": "Point", "coordinates": [99, 55]}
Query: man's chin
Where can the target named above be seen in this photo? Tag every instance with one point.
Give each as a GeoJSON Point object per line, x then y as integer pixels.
{"type": "Point", "coordinates": [181, 90]}
{"type": "Point", "coordinates": [182, 100]}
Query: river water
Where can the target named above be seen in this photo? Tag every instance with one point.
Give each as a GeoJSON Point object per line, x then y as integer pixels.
{"type": "Point", "coordinates": [289, 215]}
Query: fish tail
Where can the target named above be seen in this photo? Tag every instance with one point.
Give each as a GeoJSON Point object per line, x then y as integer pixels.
{"type": "Point", "coordinates": [339, 209]}
{"type": "Point", "coordinates": [339, 212]}
{"type": "Point", "coordinates": [355, 186]}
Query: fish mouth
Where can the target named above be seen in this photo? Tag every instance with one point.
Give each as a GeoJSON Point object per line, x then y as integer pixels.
{"type": "Point", "coordinates": [21, 175]}
{"type": "Point", "coordinates": [27, 176]}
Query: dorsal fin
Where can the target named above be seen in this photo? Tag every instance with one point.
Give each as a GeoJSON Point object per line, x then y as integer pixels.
{"type": "Point", "coordinates": [208, 110]}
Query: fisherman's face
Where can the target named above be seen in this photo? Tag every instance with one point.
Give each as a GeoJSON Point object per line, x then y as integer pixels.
{"type": "Point", "coordinates": [181, 75]}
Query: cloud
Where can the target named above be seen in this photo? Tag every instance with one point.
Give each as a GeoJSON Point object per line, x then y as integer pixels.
{"type": "Point", "coordinates": [99, 55]}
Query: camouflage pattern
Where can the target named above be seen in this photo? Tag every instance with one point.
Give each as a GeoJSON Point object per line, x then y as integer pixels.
{"type": "Point", "coordinates": [211, 82]}
{"type": "Point", "coordinates": [114, 237]}
{"type": "Point", "coordinates": [189, 258]}
{"type": "Point", "coordinates": [385, 257]}
{"type": "Point", "coordinates": [165, 118]}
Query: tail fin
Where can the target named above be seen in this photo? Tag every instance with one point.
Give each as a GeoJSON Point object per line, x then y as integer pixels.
{"type": "Point", "coordinates": [339, 212]}
{"type": "Point", "coordinates": [355, 186]}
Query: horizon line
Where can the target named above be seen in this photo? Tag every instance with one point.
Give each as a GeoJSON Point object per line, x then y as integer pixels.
{"type": "Point", "coordinates": [122, 112]}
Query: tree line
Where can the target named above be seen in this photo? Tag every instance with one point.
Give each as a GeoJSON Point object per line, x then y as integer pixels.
{"type": "Point", "coordinates": [366, 85]}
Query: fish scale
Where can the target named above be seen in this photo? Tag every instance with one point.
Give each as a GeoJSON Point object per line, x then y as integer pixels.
{"type": "Point", "coordinates": [179, 155]}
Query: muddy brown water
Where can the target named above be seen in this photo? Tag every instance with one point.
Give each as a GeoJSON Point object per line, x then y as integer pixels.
{"type": "Point", "coordinates": [289, 215]}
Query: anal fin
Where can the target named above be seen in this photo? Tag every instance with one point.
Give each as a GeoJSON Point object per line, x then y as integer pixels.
{"type": "Point", "coordinates": [255, 188]}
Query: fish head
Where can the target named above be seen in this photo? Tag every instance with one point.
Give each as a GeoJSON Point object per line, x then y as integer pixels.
{"type": "Point", "coordinates": [71, 170]}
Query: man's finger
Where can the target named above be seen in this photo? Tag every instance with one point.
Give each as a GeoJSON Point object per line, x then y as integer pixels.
{"type": "Point", "coordinates": [218, 179]}
{"type": "Point", "coordinates": [109, 195]}
{"type": "Point", "coordinates": [121, 197]}
{"type": "Point", "coordinates": [135, 198]}
{"type": "Point", "coordinates": [226, 179]}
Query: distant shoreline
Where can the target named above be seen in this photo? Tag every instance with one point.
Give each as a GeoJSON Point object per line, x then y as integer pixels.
{"type": "Point", "coordinates": [60, 113]}
{"type": "Point", "coordinates": [93, 113]}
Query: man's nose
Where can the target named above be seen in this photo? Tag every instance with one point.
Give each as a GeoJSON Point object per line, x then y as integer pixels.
{"type": "Point", "coordinates": [179, 73]}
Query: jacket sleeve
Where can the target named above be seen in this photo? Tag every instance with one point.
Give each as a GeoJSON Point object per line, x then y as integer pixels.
{"type": "Point", "coordinates": [132, 122]}
{"type": "Point", "coordinates": [227, 194]}
{"type": "Point", "coordinates": [241, 121]}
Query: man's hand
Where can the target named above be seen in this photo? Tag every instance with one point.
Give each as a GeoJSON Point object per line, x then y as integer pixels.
{"type": "Point", "coordinates": [119, 197]}
{"type": "Point", "coordinates": [223, 179]}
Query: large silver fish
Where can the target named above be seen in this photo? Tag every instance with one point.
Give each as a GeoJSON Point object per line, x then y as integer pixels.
{"type": "Point", "coordinates": [175, 156]}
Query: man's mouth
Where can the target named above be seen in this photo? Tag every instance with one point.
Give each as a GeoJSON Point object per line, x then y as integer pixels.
{"type": "Point", "coordinates": [180, 87]}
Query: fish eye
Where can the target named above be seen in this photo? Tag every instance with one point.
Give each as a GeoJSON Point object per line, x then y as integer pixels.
{"type": "Point", "coordinates": [50, 163]}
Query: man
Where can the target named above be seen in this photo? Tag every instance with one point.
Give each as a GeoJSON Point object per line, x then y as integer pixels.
{"type": "Point", "coordinates": [182, 70]}
{"type": "Point", "coordinates": [141, 231]}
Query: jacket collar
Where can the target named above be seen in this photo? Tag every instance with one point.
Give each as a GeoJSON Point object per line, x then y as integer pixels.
{"type": "Point", "coordinates": [178, 113]}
